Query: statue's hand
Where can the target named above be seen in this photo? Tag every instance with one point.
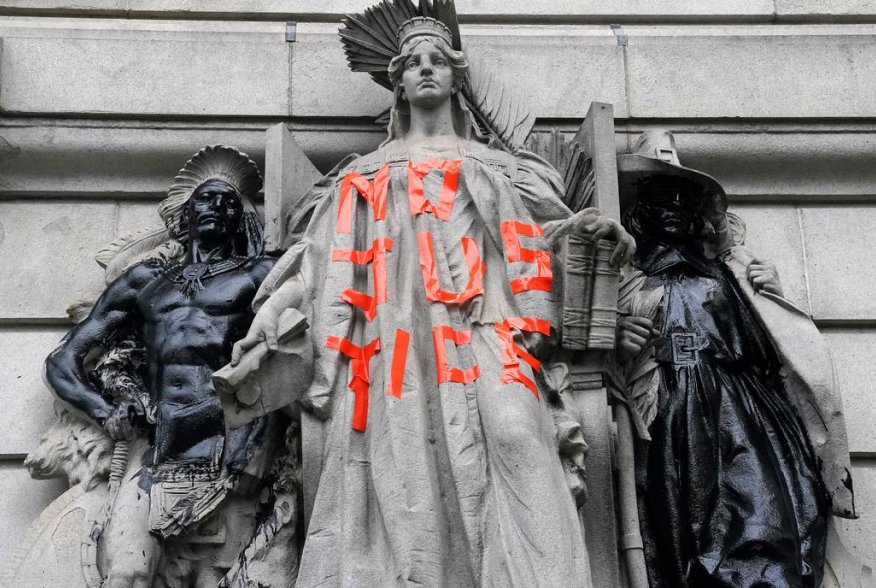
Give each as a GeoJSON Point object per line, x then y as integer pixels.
{"type": "Point", "coordinates": [764, 277]}
{"type": "Point", "coordinates": [633, 333]}
{"type": "Point", "coordinates": [590, 222]}
{"type": "Point", "coordinates": [263, 328]}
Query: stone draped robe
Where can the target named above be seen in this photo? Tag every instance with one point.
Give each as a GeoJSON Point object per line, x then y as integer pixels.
{"type": "Point", "coordinates": [440, 462]}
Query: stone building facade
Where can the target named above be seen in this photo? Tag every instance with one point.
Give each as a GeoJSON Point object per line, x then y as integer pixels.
{"type": "Point", "coordinates": [101, 101]}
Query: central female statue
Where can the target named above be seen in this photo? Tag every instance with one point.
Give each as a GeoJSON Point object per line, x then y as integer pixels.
{"type": "Point", "coordinates": [424, 268]}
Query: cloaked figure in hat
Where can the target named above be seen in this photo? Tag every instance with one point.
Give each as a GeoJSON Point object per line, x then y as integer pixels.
{"type": "Point", "coordinates": [748, 452]}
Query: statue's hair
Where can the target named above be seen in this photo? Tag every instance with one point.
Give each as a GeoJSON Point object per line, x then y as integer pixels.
{"type": "Point", "coordinates": [458, 62]}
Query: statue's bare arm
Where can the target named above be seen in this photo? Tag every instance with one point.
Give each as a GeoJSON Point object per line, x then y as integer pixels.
{"type": "Point", "coordinates": [111, 316]}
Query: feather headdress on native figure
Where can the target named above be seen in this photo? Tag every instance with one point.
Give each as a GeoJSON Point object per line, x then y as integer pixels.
{"type": "Point", "coordinates": [217, 162]}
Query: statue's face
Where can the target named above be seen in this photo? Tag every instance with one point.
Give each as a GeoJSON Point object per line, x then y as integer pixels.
{"type": "Point", "coordinates": [427, 78]}
{"type": "Point", "coordinates": [214, 211]}
{"type": "Point", "coordinates": [669, 214]}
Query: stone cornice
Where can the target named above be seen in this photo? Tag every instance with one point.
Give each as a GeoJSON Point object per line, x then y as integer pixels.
{"type": "Point", "coordinates": [757, 161]}
{"type": "Point", "coordinates": [492, 11]}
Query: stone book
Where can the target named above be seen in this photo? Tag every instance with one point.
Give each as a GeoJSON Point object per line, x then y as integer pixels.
{"type": "Point", "coordinates": [248, 390]}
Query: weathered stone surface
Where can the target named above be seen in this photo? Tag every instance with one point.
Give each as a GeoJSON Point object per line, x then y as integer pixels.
{"type": "Point", "coordinates": [860, 534]}
{"type": "Point", "coordinates": [23, 500]}
{"type": "Point", "coordinates": [134, 216]}
{"type": "Point", "coordinates": [27, 402]}
{"type": "Point", "coordinates": [835, 10]}
{"type": "Point", "coordinates": [674, 73]}
{"type": "Point", "coordinates": [145, 72]}
{"type": "Point", "coordinates": [840, 243]}
{"type": "Point", "coordinates": [853, 351]}
{"type": "Point", "coordinates": [47, 251]}
{"type": "Point", "coordinates": [773, 233]}
{"type": "Point", "coordinates": [322, 85]}
{"type": "Point", "coordinates": [559, 9]}
{"type": "Point", "coordinates": [592, 67]}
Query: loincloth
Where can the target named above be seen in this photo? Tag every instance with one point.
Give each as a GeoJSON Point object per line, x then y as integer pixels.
{"type": "Point", "coordinates": [182, 498]}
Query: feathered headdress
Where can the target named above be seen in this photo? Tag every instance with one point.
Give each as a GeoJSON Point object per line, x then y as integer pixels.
{"type": "Point", "coordinates": [372, 39]}
{"type": "Point", "coordinates": [210, 163]}
{"type": "Point", "coordinates": [217, 162]}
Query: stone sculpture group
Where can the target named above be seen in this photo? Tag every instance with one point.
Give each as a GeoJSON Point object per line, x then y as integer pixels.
{"type": "Point", "coordinates": [391, 401]}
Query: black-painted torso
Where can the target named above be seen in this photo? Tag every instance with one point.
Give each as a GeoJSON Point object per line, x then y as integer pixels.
{"type": "Point", "coordinates": [729, 490]}
{"type": "Point", "coordinates": [191, 337]}
{"type": "Point", "coordinates": [186, 338]}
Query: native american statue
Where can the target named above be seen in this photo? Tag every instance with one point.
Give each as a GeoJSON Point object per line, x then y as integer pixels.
{"type": "Point", "coordinates": [166, 495]}
{"type": "Point", "coordinates": [743, 453]}
{"type": "Point", "coordinates": [429, 275]}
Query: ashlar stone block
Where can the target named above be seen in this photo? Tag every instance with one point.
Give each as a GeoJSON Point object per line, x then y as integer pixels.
{"type": "Point", "coordinates": [836, 9]}
{"type": "Point", "coordinates": [27, 401]}
{"type": "Point", "coordinates": [322, 85]}
{"type": "Point", "coordinates": [840, 242]}
{"type": "Point", "coordinates": [748, 71]}
{"type": "Point", "coordinates": [23, 500]}
{"type": "Point", "coordinates": [555, 71]}
{"type": "Point", "coordinates": [145, 73]}
{"type": "Point", "coordinates": [47, 250]}
{"type": "Point", "coordinates": [853, 352]}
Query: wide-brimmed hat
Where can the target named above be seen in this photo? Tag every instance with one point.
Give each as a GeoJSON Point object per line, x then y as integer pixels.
{"type": "Point", "coordinates": [654, 156]}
